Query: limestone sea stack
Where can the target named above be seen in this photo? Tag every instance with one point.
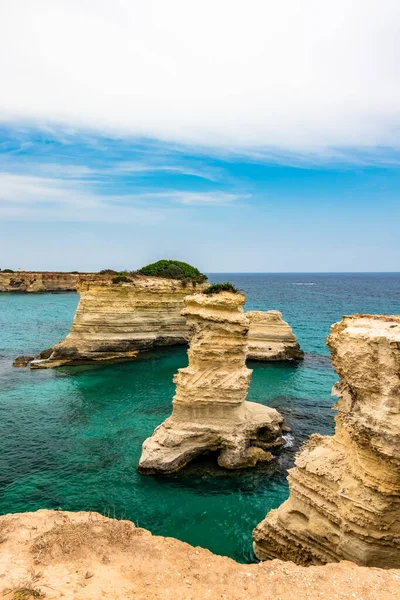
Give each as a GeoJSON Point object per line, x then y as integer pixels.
{"type": "Point", "coordinates": [345, 490]}
{"type": "Point", "coordinates": [114, 321]}
{"type": "Point", "coordinates": [209, 408]}
{"type": "Point", "coordinates": [271, 338]}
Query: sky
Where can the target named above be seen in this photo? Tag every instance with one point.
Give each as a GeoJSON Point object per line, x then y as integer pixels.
{"type": "Point", "coordinates": [236, 135]}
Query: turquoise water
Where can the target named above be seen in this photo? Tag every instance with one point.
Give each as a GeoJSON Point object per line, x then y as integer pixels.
{"type": "Point", "coordinates": [71, 437]}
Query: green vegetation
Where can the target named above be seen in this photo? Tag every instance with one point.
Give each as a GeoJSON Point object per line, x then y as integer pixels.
{"type": "Point", "coordinates": [173, 269]}
{"type": "Point", "coordinates": [217, 288]}
{"type": "Point", "coordinates": [107, 272]}
{"type": "Point", "coordinates": [6, 270]}
{"type": "Point", "coordinates": [121, 278]}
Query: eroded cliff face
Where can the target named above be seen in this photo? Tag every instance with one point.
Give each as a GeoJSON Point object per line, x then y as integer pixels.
{"type": "Point", "coordinates": [271, 338]}
{"type": "Point", "coordinates": [86, 556]}
{"type": "Point", "coordinates": [345, 490]}
{"type": "Point", "coordinates": [40, 281]}
{"type": "Point", "coordinates": [209, 408]}
{"type": "Point", "coordinates": [113, 322]}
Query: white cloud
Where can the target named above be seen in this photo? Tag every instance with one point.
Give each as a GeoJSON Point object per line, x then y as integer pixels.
{"type": "Point", "coordinates": [136, 169]}
{"type": "Point", "coordinates": [206, 199]}
{"type": "Point", "coordinates": [36, 198]}
{"type": "Point", "coordinates": [307, 76]}
{"type": "Point", "coordinates": [25, 197]}
{"type": "Point", "coordinates": [140, 168]}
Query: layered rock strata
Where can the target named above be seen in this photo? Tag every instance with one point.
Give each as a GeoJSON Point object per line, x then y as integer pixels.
{"type": "Point", "coordinates": [271, 338]}
{"type": "Point", "coordinates": [345, 490]}
{"type": "Point", "coordinates": [41, 281]}
{"type": "Point", "coordinates": [209, 408]}
{"type": "Point", "coordinates": [113, 322]}
{"type": "Point", "coordinates": [86, 556]}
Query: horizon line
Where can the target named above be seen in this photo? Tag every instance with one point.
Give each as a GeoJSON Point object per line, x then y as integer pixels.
{"type": "Point", "coordinates": [226, 272]}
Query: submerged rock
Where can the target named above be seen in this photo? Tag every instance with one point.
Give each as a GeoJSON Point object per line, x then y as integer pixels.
{"type": "Point", "coordinates": [22, 361]}
{"type": "Point", "coordinates": [345, 490]}
{"type": "Point", "coordinates": [271, 338]}
{"type": "Point", "coordinates": [209, 409]}
{"type": "Point", "coordinates": [114, 321]}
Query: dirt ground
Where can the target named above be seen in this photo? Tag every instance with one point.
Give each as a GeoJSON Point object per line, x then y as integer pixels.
{"type": "Point", "coordinates": [85, 556]}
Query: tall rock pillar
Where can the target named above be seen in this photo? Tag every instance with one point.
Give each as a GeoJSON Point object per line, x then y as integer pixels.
{"type": "Point", "coordinates": [210, 412]}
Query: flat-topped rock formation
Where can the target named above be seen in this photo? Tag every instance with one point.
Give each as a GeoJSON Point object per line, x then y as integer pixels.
{"type": "Point", "coordinates": [345, 490]}
{"type": "Point", "coordinates": [209, 409]}
{"type": "Point", "coordinates": [86, 556]}
{"type": "Point", "coordinates": [41, 281]}
{"type": "Point", "coordinates": [114, 321]}
{"type": "Point", "coordinates": [271, 338]}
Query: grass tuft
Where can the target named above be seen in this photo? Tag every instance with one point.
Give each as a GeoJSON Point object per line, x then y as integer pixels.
{"type": "Point", "coordinates": [27, 590]}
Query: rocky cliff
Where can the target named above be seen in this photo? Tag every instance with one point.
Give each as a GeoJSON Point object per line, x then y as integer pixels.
{"type": "Point", "coordinates": [40, 281]}
{"type": "Point", "coordinates": [114, 321]}
{"type": "Point", "coordinates": [85, 556]}
{"type": "Point", "coordinates": [271, 338]}
{"type": "Point", "coordinates": [209, 408]}
{"type": "Point", "coordinates": [345, 490]}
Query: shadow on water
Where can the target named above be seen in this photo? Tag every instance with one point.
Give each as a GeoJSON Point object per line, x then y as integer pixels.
{"type": "Point", "coordinates": [205, 472]}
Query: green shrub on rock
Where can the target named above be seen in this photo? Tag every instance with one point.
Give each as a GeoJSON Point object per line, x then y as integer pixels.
{"type": "Point", "coordinates": [173, 269]}
{"type": "Point", "coordinates": [121, 278]}
{"type": "Point", "coordinates": [217, 288]}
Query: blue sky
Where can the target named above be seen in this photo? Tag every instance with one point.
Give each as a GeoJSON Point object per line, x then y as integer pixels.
{"type": "Point", "coordinates": [272, 147]}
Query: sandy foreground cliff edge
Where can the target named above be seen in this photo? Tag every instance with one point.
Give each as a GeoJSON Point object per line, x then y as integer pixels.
{"type": "Point", "coordinates": [209, 408]}
{"type": "Point", "coordinates": [85, 556]}
{"type": "Point", "coordinates": [345, 490]}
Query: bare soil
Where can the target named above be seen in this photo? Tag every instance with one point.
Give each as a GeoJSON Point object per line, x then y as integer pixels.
{"type": "Point", "coordinates": [85, 556]}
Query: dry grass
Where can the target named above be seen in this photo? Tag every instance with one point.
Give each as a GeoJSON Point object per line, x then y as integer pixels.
{"type": "Point", "coordinates": [93, 535]}
{"type": "Point", "coordinates": [27, 590]}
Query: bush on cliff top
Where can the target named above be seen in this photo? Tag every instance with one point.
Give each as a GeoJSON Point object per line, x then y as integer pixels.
{"type": "Point", "coordinates": [173, 269]}
{"type": "Point", "coordinates": [108, 272]}
{"type": "Point", "coordinates": [121, 278]}
{"type": "Point", "coordinates": [217, 288]}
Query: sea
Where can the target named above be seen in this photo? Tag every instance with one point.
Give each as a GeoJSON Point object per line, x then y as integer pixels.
{"type": "Point", "coordinates": [70, 438]}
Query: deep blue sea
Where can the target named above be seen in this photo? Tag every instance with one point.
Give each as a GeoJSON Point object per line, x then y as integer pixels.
{"type": "Point", "coordinates": [71, 438]}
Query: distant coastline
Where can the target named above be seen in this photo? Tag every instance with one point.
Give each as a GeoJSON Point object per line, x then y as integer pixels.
{"type": "Point", "coordinates": [66, 281]}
